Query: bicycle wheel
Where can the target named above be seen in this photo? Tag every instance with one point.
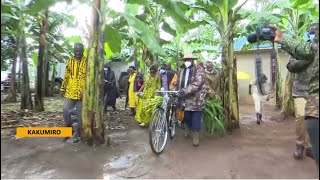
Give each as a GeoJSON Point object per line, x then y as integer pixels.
{"type": "Point", "coordinates": [172, 123]}
{"type": "Point", "coordinates": [158, 131]}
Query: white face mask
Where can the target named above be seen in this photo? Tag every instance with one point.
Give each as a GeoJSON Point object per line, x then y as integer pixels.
{"type": "Point", "coordinates": [187, 63]}
{"type": "Point", "coordinates": [105, 69]}
{"type": "Point", "coordinates": [162, 71]}
{"type": "Point", "coordinates": [312, 36]}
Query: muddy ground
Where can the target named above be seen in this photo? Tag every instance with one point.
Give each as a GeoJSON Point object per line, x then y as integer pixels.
{"type": "Point", "coordinates": [252, 151]}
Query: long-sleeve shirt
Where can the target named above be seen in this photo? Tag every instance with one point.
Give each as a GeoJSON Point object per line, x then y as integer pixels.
{"type": "Point", "coordinates": [309, 52]}
{"type": "Point", "coordinates": [74, 78]}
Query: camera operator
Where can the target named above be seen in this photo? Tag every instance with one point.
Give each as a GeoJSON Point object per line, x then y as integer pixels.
{"type": "Point", "coordinates": [307, 51]}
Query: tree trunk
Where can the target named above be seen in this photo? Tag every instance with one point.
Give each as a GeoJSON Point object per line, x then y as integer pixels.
{"type": "Point", "coordinates": [278, 80]}
{"type": "Point", "coordinates": [287, 101]}
{"type": "Point", "coordinates": [12, 96]}
{"type": "Point", "coordinates": [46, 78]}
{"type": "Point", "coordinates": [135, 57]}
{"type": "Point", "coordinates": [52, 83]}
{"type": "Point", "coordinates": [19, 73]}
{"type": "Point", "coordinates": [92, 112]}
{"type": "Point", "coordinates": [26, 100]}
{"type": "Point", "coordinates": [40, 88]}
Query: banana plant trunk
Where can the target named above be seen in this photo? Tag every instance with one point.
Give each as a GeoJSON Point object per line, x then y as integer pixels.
{"type": "Point", "coordinates": [278, 80]}
{"type": "Point", "coordinates": [26, 100]}
{"type": "Point", "coordinates": [92, 111]}
{"type": "Point", "coordinates": [40, 86]}
{"type": "Point", "coordinates": [12, 96]}
{"type": "Point", "coordinates": [230, 95]}
{"type": "Point", "coordinates": [287, 101]}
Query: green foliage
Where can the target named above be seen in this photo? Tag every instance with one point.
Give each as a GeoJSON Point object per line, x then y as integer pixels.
{"type": "Point", "coordinates": [145, 35]}
{"type": "Point", "coordinates": [213, 117]}
{"type": "Point", "coordinates": [113, 39]}
{"type": "Point", "coordinates": [153, 103]}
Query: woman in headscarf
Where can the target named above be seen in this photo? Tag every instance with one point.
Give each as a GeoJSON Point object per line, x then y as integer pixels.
{"type": "Point", "coordinates": [147, 92]}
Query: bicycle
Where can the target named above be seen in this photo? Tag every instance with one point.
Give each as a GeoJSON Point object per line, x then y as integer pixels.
{"type": "Point", "coordinates": [164, 119]}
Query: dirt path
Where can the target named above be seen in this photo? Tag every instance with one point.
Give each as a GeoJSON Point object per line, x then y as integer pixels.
{"type": "Point", "coordinates": [251, 152]}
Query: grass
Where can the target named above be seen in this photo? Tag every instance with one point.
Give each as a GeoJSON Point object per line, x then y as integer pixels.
{"type": "Point", "coordinates": [214, 120]}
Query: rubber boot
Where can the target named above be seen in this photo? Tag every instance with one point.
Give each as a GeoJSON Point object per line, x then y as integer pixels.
{"type": "Point", "coordinates": [195, 138]}
{"type": "Point", "coordinates": [258, 118]}
{"type": "Point", "coordinates": [309, 153]}
{"type": "Point", "coordinates": [298, 154]}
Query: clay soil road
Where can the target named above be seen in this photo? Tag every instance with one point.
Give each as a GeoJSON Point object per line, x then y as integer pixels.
{"type": "Point", "coordinates": [252, 151]}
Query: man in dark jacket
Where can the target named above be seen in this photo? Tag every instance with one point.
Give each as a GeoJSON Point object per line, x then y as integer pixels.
{"type": "Point", "coordinates": [192, 88]}
{"type": "Point", "coordinates": [300, 92]}
{"type": "Point", "coordinates": [110, 88]}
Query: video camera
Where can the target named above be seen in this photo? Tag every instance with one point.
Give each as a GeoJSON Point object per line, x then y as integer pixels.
{"type": "Point", "coordinates": [263, 33]}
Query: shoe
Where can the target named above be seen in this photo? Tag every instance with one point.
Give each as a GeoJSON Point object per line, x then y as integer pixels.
{"type": "Point", "coordinates": [195, 140]}
{"type": "Point", "coordinates": [258, 118]}
{"type": "Point", "coordinates": [309, 153]}
{"type": "Point", "coordinates": [142, 124]}
{"type": "Point", "coordinates": [77, 136]}
{"type": "Point", "coordinates": [132, 112]}
{"type": "Point", "coordinates": [76, 140]}
{"type": "Point", "coordinates": [298, 154]}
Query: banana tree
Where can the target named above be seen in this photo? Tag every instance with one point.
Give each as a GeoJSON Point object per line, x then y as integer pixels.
{"type": "Point", "coordinates": [156, 11]}
{"type": "Point", "coordinates": [9, 44]}
{"type": "Point", "coordinates": [23, 12]}
{"type": "Point", "coordinates": [296, 17]}
{"type": "Point", "coordinates": [223, 16]}
{"type": "Point", "coordinates": [92, 113]}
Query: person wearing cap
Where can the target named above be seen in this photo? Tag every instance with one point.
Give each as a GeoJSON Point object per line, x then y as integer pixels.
{"type": "Point", "coordinates": [192, 88]}
{"type": "Point", "coordinates": [146, 93]}
{"type": "Point", "coordinates": [110, 88]}
{"type": "Point", "coordinates": [72, 88]}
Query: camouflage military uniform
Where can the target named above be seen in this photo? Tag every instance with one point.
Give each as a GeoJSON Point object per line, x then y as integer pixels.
{"type": "Point", "coordinates": [309, 51]}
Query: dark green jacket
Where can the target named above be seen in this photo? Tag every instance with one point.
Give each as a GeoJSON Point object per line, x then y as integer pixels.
{"type": "Point", "coordinates": [307, 51]}
{"type": "Point", "coordinates": [302, 71]}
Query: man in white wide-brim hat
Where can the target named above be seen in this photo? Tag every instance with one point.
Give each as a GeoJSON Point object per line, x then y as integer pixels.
{"type": "Point", "coordinates": [192, 89]}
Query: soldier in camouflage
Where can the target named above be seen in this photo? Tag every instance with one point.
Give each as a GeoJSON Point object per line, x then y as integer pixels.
{"type": "Point", "coordinates": [307, 51]}
{"type": "Point", "coordinates": [299, 93]}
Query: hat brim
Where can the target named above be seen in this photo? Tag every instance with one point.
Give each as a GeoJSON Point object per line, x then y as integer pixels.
{"type": "Point", "coordinates": [189, 58]}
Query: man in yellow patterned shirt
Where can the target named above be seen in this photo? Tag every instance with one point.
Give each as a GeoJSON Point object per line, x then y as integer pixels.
{"type": "Point", "coordinates": [72, 88]}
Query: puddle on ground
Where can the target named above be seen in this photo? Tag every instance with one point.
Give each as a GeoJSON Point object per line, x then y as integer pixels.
{"type": "Point", "coordinates": [127, 166]}
{"type": "Point", "coordinates": [122, 162]}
